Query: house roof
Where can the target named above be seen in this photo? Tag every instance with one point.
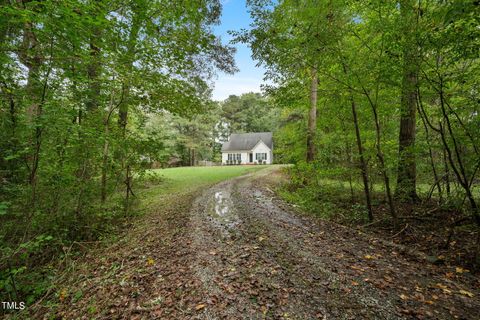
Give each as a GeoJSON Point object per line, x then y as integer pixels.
{"type": "Point", "coordinates": [247, 141]}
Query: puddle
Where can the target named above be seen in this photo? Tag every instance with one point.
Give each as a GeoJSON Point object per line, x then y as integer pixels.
{"type": "Point", "coordinates": [222, 211]}
{"type": "Point", "coordinates": [221, 205]}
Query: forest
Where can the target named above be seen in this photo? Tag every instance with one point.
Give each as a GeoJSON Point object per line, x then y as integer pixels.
{"type": "Point", "coordinates": [374, 106]}
{"type": "Point", "coordinates": [379, 108]}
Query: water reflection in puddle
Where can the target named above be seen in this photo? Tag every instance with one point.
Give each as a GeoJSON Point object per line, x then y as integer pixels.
{"type": "Point", "coordinates": [221, 205]}
{"type": "Point", "coordinates": [222, 212]}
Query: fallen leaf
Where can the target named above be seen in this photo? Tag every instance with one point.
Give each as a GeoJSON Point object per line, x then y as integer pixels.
{"type": "Point", "coordinates": [354, 283]}
{"type": "Point", "coordinates": [403, 297]}
{"type": "Point", "coordinates": [441, 286]}
{"type": "Point", "coordinates": [63, 294]}
{"type": "Point", "coordinates": [444, 288]}
{"type": "Point", "coordinates": [460, 270]}
{"type": "Point", "coordinates": [200, 306]}
{"type": "Point", "coordinates": [264, 310]}
{"type": "Point", "coordinates": [466, 293]}
{"type": "Point", "coordinates": [369, 257]}
{"type": "Point", "coordinates": [150, 261]}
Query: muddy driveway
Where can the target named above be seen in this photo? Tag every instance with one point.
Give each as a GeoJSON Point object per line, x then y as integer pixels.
{"type": "Point", "coordinates": [235, 251]}
{"type": "Point", "coordinates": [256, 259]}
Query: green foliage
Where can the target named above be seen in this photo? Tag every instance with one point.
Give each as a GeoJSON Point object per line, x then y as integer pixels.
{"type": "Point", "coordinates": [79, 83]}
{"type": "Point", "coordinates": [320, 191]}
{"type": "Point", "coordinates": [369, 54]}
{"type": "Point", "coordinates": [250, 112]}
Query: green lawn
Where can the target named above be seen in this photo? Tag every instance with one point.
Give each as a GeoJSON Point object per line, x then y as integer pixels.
{"type": "Point", "coordinates": [185, 179]}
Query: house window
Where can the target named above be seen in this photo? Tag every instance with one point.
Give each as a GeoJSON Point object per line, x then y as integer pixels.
{"type": "Point", "coordinates": [260, 156]}
{"type": "Point", "coordinates": [234, 157]}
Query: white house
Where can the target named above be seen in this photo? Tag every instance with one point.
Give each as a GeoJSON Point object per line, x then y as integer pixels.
{"type": "Point", "coordinates": [248, 148]}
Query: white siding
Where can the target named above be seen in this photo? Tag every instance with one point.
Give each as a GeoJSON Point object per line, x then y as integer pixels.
{"type": "Point", "coordinates": [244, 156]}
{"type": "Point", "coordinates": [262, 148]}
{"type": "Point", "coordinates": [259, 148]}
{"type": "Point", "coordinates": [224, 157]}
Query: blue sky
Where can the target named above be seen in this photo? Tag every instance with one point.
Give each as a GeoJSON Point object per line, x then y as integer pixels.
{"type": "Point", "coordinates": [249, 78]}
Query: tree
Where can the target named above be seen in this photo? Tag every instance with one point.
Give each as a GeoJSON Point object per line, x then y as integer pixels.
{"type": "Point", "coordinates": [406, 177]}
{"type": "Point", "coordinates": [68, 71]}
{"type": "Point", "coordinates": [250, 112]}
{"type": "Point", "coordinates": [290, 39]}
{"type": "Point", "coordinates": [384, 62]}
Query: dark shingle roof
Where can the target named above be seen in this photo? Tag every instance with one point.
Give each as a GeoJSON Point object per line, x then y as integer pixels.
{"type": "Point", "coordinates": [246, 141]}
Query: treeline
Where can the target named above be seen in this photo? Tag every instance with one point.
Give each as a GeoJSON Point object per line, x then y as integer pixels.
{"type": "Point", "coordinates": [79, 80]}
{"type": "Point", "coordinates": [386, 91]}
{"type": "Point", "coordinates": [189, 141]}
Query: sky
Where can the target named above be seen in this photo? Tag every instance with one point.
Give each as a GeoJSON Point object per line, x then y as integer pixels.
{"type": "Point", "coordinates": [249, 78]}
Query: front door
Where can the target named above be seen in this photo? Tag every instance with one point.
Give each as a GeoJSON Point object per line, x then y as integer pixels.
{"type": "Point", "coordinates": [251, 157]}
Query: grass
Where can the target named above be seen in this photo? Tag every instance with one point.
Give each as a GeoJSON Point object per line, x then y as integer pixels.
{"type": "Point", "coordinates": [330, 197]}
{"type": "Point", "coordinates": [186, 178]}
{"type": "Point", "coordinates": [423, 188]}
{"type": "Point", "coordinates": [158, 193]}
{"type": "Point", "coordinates": [171, 181]}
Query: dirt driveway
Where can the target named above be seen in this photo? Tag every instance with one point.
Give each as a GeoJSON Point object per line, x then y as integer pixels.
{"type": "Point", "coordinates": [257, 259]}
{"type": "Point", "coordinates": [238, 252]}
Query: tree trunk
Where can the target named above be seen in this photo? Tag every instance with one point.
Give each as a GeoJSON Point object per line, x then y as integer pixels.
{"type": "Point", "coordinates": [363, 164]}
{"type": "Point", "coordinates": [447, 172]}
{"type": "Point", "coordinates": [406, 173]}
{"type": "Point", "coordinates": [128, 190]}
{"type": "Point", "coordinates": [30, 56]}
{"type": "Point", "coordinates": [93, 72]}
{"type": "Point", "coordinates": [103, 187]}
{"type": "Point", "coordinates": [432, 162]}
{"type": "Point", "coordinates": [460, 172]}
{"type": "Point", "coordinates": [348, 150]}
{"type": "Point", "coordinates": [128, 61]}
{"type": "Point", "coordinates": [386, 178]}
{"type": "Point", "coordinates": [106, 146]}
{"type": "Point", "coordinates": [381, 158]}
{"type": "Point", "coordinates": [312, 116]}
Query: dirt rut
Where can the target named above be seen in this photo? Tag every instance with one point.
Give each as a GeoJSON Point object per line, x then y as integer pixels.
{"type": "Point", "coordinates": [235, 251]}
{"type": "Point", "coordinates": [258, 259]}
